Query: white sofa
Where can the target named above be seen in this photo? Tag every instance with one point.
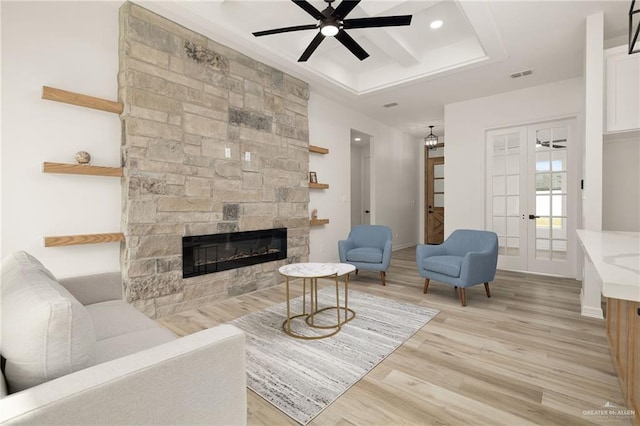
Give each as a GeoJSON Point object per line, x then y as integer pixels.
{"type": "Point", "coordinates": [73, 352]}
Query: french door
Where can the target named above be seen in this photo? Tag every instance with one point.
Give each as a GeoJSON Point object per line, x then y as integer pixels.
{"type": "Point", "coordinates": [531, 196]}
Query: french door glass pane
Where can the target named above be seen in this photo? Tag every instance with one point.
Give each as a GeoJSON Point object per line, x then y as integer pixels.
{"type": "Point", "coordinates": [438, 185]}
{"type": "Point", "coordinates": [499, 187]}
{"type": "Point", "coordinates": [513, 205]}
{"type": "Point", "coordinates": [513, 185]}
{"type": "Point", "coordinates": [513, 226]}
{"type": "Point", "coordinates": [513, 164]}
{"type": "Point", "coordinates": [543, 249]}
{"type": "Point", "coordinates": [438, 171]}
{"type": "Point", "coordinates": [513, 246]}
{"type": "Point", "coordinates": [499, 208]}
{"type": "Point", "coordinates": [559, 228]}
{"type": "Point", "coordinates": [543, 161]}
{"type": "Point", "coordinates": [559, 160]}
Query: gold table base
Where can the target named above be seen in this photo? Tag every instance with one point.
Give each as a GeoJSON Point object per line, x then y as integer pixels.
{"type": "Point", "coordinates": [309, 317]}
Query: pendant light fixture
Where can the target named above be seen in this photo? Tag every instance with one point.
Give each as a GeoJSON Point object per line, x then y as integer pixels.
{"type": "Point", "coordinates": [431, 140]}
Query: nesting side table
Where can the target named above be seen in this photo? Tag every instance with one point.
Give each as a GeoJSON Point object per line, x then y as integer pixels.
{"type": "Point", "coordinates": [312, 272]}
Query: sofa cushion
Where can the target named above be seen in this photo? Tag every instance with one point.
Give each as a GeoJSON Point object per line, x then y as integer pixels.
{"type": "Point", "coordinates": [127, 344]}
{"type": "Point", "coordinates": [365, 254]}
{"type": "Point", "coordinates": [46, 332]}
{"type": "Point", "coordinates": [446, 265]}
{"type": "Point", "coordinates": [117, 317]}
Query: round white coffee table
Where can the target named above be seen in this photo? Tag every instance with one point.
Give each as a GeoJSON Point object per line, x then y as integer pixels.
{"type": "Point", "coordinates": [312, 272]}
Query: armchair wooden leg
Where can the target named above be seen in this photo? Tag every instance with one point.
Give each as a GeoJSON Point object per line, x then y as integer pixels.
{"type": "Point", "coordinates": [426, 285]}
{"type": "Point", "coordinates": [463, 296]}
{"type": "Point", "coordinates": [486, 288]}
{"type": "Point", "coordinates": [383, 275]}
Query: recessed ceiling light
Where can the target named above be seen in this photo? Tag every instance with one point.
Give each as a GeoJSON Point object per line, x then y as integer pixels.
{"type": "Point", "coordinates": [436, 24]}
{"type": "Point", "coordinates": [357, 139]}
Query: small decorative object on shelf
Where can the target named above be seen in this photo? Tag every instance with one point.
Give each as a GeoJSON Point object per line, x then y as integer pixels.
{"type": "Point", "coordinates": [313, 178]}
{"type": "Point", "coordinates": [83, 157]}
{"type": "Point", "coordinates": [314, 214]}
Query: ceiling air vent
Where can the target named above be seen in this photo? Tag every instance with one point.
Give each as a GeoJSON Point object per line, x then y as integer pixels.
{"type": "Point", "coordinates": [521, 73]}
{"type": "Point", "coordinates": [391, 105]}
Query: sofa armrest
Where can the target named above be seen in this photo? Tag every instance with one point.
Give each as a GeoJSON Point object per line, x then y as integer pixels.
{"type": "Point", "coordinates": [197, 379]}
{"type": "Point", "coordinates": [96, 288]}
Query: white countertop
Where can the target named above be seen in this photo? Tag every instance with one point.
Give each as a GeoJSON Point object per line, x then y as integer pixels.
{"type": "Point", "coordinates": [616, 257]}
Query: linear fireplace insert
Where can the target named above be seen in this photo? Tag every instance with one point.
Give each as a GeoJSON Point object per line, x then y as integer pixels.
{"type": "Point", "coordinates": [205, 254]}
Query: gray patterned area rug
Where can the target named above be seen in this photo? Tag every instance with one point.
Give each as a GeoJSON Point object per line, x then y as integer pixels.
{"type": "Point", "coordinates": [302, 377]}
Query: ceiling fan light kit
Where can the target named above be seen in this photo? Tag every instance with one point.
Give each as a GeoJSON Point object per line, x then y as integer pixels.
{"type": "Point", "coordinates": [332, 23]}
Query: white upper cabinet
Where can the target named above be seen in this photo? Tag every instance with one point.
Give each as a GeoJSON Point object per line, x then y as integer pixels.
{"type": "Point", "coordinates": [622, 104]}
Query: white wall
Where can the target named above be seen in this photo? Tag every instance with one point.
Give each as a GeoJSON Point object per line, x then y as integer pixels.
{"type": "Point", "coordinates": [465, 126]}
{"type": "Point", "coordinates": [593, 126]}
{"type": "Point", "coordinates": [394, 167]}
{"type": "Point", "coordinates": [621, 184]}
{"type": "Point", "coordinates": [72, 46]}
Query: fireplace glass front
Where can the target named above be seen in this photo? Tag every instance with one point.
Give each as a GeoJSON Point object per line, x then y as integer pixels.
{"type": "Point", "coordinates": [205, 254]}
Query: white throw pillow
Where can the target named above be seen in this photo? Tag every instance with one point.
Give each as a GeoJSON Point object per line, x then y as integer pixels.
{"type": "Point", "coordinates": [46, 332]}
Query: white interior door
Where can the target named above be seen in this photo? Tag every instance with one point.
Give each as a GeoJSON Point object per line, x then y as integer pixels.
{"type": "Point", "coordinates": [531, 196]}
{"type": "Point", "coordinates": [552, 191]}
{"type": "Point", "coordinates": [506, 166]}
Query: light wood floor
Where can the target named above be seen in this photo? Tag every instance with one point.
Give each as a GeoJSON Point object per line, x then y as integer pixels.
{"type": "Point", "coordinates": [524, 356]}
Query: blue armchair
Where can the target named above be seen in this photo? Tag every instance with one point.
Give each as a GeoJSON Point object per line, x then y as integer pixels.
{"type": "Point", "coordinates": [368, 247]}
{"type": "Point", "coordinates": [465, 259]}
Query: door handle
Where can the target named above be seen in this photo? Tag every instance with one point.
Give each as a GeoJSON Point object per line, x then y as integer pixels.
{"type": "Point", "coordinates": [532, 216]}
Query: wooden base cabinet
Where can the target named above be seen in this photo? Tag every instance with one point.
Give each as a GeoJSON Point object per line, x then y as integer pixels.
{"type": "Point", "coordinates": [623, 330]}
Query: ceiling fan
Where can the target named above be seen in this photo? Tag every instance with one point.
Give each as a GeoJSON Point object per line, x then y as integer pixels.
{"type": "Point", "coordinates": [332, 23]}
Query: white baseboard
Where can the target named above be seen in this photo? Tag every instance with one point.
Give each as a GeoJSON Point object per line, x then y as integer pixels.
{"type": "Point", "coordinates": [590, 311]}
{"type": "Point", "coordinates": [402, 246]}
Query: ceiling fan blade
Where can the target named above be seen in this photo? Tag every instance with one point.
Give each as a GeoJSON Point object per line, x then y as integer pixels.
{"type": "Point", "coordinates": [351, 44]}
{"type": "Point", "coordinates": [307, 7]}
{"type": "Point", "coordinates": [344, 8]}
{"type": "Point", "coordinates": [285, 30]}
{"type": "Point", "coordinates": [380, 21]}
{"type": "Point", "coordinates": [312, 47]}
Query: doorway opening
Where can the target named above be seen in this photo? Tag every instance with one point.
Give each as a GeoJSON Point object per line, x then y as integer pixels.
{"type": "Point", "coordinates": [434, 195]}
{"type": "Point", "coordinates": [360, 178]}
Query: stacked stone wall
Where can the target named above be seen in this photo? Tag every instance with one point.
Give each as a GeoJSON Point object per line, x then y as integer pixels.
{"type": "Point", "coordinates": [189, 100]}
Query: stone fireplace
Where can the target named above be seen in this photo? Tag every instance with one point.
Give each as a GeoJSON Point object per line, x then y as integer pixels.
{"type": "Point", "coordinates": [213, 142]}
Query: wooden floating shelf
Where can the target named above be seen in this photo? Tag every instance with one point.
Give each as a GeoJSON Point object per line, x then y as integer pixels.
{"type": "Point", "coordinates": [318, 185]}
{"type": "Point", "coordinates": [316, 222]}
{"type": "Point", "coordinates": [71, 240]}
{"type": "Point", "coordinates": [318, 149]}
{"type": "Point", "coordinates": [81, 169]}
{"type": "Point", "coordinates": [78, 99]}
